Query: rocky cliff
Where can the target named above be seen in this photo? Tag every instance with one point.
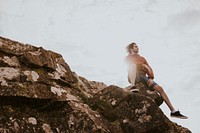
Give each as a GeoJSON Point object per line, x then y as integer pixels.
{"type": "Point", "coordinates": [40, 93]}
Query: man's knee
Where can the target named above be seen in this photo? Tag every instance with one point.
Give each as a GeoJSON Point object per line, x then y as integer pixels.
{"type": "Point", "coordinates": [158, 88]}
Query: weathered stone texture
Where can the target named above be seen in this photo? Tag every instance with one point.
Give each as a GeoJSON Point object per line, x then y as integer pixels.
{"type": "Point", "coordinates": [40, 93]}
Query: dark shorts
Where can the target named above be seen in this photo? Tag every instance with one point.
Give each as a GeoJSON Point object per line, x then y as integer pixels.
{"type": "Point", "coordinates": [144, 79]}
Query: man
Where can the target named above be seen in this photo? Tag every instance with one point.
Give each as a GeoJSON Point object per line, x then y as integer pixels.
{"type": "Point", "coordinates": [142, 72]}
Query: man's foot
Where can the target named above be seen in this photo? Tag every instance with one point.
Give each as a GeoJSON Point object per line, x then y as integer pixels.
{"type": "Point", "coordinates": [134, 89]}
{"type": "Point", "coordinates": [177, 114]}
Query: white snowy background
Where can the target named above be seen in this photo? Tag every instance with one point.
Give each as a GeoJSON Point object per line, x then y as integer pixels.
{"type": "Point", "coordinates": [92, 36]}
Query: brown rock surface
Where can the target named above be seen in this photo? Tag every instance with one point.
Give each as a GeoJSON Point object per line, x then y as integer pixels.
{"type": "Point", "coordinates": [40, 93]}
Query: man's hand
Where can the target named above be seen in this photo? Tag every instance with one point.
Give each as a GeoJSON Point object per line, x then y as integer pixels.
{"type": "Point", "coordinates": [150, 82]}
{"type": "Point", "coordinates": [148, 68]}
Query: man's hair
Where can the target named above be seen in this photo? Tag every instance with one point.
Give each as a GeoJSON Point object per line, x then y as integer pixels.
{"type": "Point", "coordinates": [130, 46]}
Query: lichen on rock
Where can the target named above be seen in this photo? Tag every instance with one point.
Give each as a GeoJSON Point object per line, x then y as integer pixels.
{"type": "Point", "coordinates": [57, 90]}
{"type": "Point", "coordinates": [40, 93]}
{"type": "Point", "coordinates": [7, 74]}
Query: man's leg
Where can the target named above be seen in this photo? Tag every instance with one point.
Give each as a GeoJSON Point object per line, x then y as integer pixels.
{"type": "Point", "coordinates": [174, 113]}
{"type": "Point", "coordinates": [160, 90]}
{"type": "Point", "coordinates": [132, 77]}
{"type": "Point", "coordinates": [132, 74]}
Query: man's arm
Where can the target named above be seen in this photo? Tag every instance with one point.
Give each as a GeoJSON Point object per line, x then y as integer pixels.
{"type": "Point", "coordinates": [149, 70]}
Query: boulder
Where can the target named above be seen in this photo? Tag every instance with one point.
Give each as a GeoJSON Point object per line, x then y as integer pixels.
{"type": "Point", "coordinates": [40, 93]}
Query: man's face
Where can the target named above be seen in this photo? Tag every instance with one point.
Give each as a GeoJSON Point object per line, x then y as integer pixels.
{"type": "Point", "coordinates": [135, 48]}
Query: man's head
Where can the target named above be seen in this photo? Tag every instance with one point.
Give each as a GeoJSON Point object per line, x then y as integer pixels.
{"type": "Point", "coordinates": [132, 48]}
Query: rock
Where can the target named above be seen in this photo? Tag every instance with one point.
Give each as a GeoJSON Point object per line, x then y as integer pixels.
{"type": "Point", "coordinates": [145, 91]}
{"type": "Point", "coordinates": [40, 93]}
{"type": "Point", "coordinates": [47, 128]}
{"type": "Point", "coordinates": [32, 120]}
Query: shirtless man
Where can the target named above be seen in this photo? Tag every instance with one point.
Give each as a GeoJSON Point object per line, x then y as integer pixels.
{"type": "Point", "coordinates": [144, 73]}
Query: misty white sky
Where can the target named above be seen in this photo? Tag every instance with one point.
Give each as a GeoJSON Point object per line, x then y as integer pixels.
{"type": "Point", "coordinates": [92, 36]}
